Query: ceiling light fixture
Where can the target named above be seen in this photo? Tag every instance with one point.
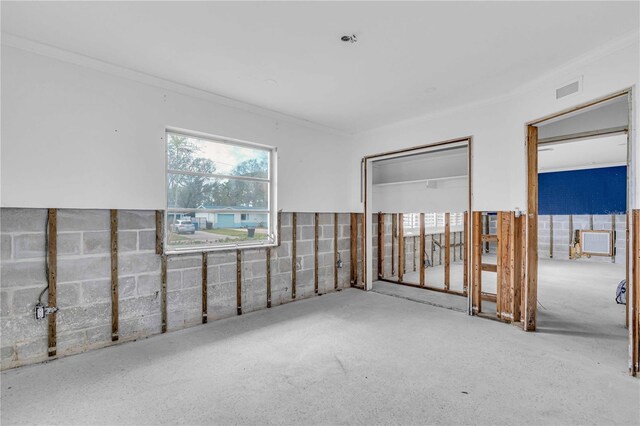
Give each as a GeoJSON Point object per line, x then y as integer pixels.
{"type": "Point", "coordinates": [349, 38]}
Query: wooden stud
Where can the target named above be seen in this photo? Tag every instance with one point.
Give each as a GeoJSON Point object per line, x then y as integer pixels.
{"type": "Point", "coordinates": [550, 236]}
{"type": "Point", "coordinates": [394, 235]}
{"type": "Point", "coordinates": [634, 298]}
{"type": "Point", "coordinates": [413, 252]}
{"type": "Point", "coordinates": [159, 232]}
{"type": "Point", "coordinates": [114, 275]}
{"type": "Point", "coordinates": [268, 260]}
{"type": "Point", "coordinates": [476, 277]}
{"type": "Point", "coordinates": [465, 255]}
{"type": "Point", "coordinates": [163, 292]}
{"type": "Point", "coordinates": [335, 251]}
{"type": "Point", "coordinates": [279, 228]}
{"type": "Point", "coordinates": [454, 246]}
{"type": "Point", "coordinates": [354, 249]}
{"type": "Point", "coordinates": [520, 238]}
{"type": "Point", "coordinates": [294, 256]}
{"type": "Point", "coordinates": [239, 281]}
{"type": "Point", "coordinates": [316, 283]}
{"type": "Point", "coordinates": [52, 277]}
{"type": "Point", "coordinates": [531, 283]}
{"type": "Point", "coordinates": [205, 259]}
{"type": "Point", "coordinates": [380, 245]}
{"type": "Point", "coordinates": [447, 250]}
{"type": "Point", "coordinates": [363, 251]}
{"type": "Point", "coordinates": [401, 265]}
{"type": "Point", "coordinates": [422, 249]}
{"type": "Point", "coordinates": [505, 265]}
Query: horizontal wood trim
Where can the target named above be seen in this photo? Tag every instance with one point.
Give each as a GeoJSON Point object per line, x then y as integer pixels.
{"type": "Point", "coordinates": [488, 267]}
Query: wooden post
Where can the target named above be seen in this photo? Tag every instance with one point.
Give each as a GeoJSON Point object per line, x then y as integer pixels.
{"type": "Point", "coordinates": [447, 250]}
{"type": "Point", "coordinates": [205, 270]}
{"type": "Point", "coordinates": [268, 260]}
{"type": "Point", "coordinates": [354, 249]}
{"type": "Point", "coordinates": [506, 265]}
{"type": "Point", "coordinates": [114, 275]}
{"type": "Point", "coordinates": [465, 255]}
{"type": "Point", "coordinates": [422, 249]}
{"type": "Point", "coordinates": [476, 293]}
{"type": "Point", "coordinates": [394, 235]}
{"type": "Point", "coordinates": [159, 232]}
{"type": "Point", "coordinates": [531, 288]}
{"type": "Point", "coordinates": [519, 240]}
{"type": "Point", "coordinates": [380, 245]}
{"type": "Point", "coordinates": [401, 264]}
{"type": "Point", "coordinates": [52, 277]}
{"type": "Point", "coordinates": [239, 281]}
{"type": "Point", "coordinates": [335, 251]}
{"type": "Point", "coordinates": [163, 291]}
{"type": "Point", "coordinates": [294, 256]}
{"type": "Point", "coordinates": [316, 284]}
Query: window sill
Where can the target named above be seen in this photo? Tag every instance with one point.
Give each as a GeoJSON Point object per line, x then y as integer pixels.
{"type": "Point", "coordinates": [229, 247]}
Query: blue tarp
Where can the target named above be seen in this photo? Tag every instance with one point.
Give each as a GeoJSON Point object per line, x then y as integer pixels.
{"type": "Point", "coordinates": [590, 191]}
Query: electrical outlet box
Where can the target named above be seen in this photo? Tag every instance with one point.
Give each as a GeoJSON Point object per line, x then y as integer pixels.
{"type": "Point", "coordinates": [40, 311]}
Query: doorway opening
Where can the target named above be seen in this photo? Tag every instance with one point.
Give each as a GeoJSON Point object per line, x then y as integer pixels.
{"type": "Point", "coordinates": [418, 202]}
{"type": "Point", "coordinates": [578, 250]}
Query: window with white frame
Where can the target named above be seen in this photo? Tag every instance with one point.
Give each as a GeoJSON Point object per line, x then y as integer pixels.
{"type": "Point", "coordinates": [220, 193]}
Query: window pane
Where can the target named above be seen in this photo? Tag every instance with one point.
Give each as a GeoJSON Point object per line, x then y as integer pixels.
{"type": "Point", "coordinates": [191, 154]}
{"type": "Point", "coordinates": [198, 192]}
{"type": "Point", "coordinates": [199, 229]}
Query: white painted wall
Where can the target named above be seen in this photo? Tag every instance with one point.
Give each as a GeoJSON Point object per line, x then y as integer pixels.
{"type": "Point", "coordinates": [447, 196]}
{"type": "Point", "coordinates": [77, 137]}
{"type": "Point", "coordinates": [498, 127]}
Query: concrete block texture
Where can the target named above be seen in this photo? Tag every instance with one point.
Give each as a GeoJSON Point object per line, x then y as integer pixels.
{"type": "Point", "coordinates": [84, 278]}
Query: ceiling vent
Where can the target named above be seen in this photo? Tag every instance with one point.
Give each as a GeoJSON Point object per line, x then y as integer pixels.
{"type": "Point", "coordinates": [569, 89]}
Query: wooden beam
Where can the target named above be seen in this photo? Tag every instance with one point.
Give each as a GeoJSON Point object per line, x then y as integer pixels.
{"type": "Point", "coordinates": [335, 251]}
{"type": "Point", "coordinates": [294, 256]}
{"type": "Point", "coordinates": [531, 287]}
{"type": "Point", "coordinates": [490, 238]}
{"type": "Point", "coordinates": [401, 264]}
{"type": "Point", "coordinates": [239, 281]}
{"type": "Point", "coordinates": [465, 254]}
{"type": "Point", "coordinates": [114, 275]}
{"type": "Point", "coordinates": [426, 287]}
{"type": "Point", "coordinates": [52, 277]}
{"type": "Point", "coordinates": [380, 245]}
{"type": "Point", "coordinates": [268, 260]}
{"type": "Point", "coordinates": [394, 234]}
{"type": "Point", "coordinates": [488, 267]}
{"type": "Point", "coordinates": [159, 231]}
{"type": "Point", "coordinates": [205, 270]}
{"type": "Point", "coordinates": [316, 283]}
{"type": "Point", "coordinates": [476, 261]}
{"type": "Point", "coordinates": [163, 291]}
{"type": "Point", "coordinates": [490, 297]}
{"type": "Point", "coordinates": [354, 249]}
{"type": "Point", "coordinates": [422, 249]}
{"type": "Point", "coordinates": [447, 250]}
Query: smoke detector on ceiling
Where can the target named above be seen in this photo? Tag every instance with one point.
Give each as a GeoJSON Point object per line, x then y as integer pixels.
{"type": "Point", "coordinates": [349, 38]}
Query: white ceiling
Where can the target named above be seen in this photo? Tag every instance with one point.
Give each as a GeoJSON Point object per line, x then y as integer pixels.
{"type": "Point", "coordinates": [411, 58]}
{"type": "Point", "coordinates": [583, 154]}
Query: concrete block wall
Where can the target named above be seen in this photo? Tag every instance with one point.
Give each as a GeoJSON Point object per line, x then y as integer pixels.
{"type": "Point", "coordinates": [84, 280]}
{"type": "Point", "coordinates": [562, 237]}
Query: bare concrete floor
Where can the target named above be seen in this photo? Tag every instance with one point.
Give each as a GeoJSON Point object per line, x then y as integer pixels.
{"type": "Point", "coordinates": [350, 357]}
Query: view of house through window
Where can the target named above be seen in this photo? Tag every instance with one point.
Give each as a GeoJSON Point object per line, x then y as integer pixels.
{"type": "Point", "coordinates": [218, 193]}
